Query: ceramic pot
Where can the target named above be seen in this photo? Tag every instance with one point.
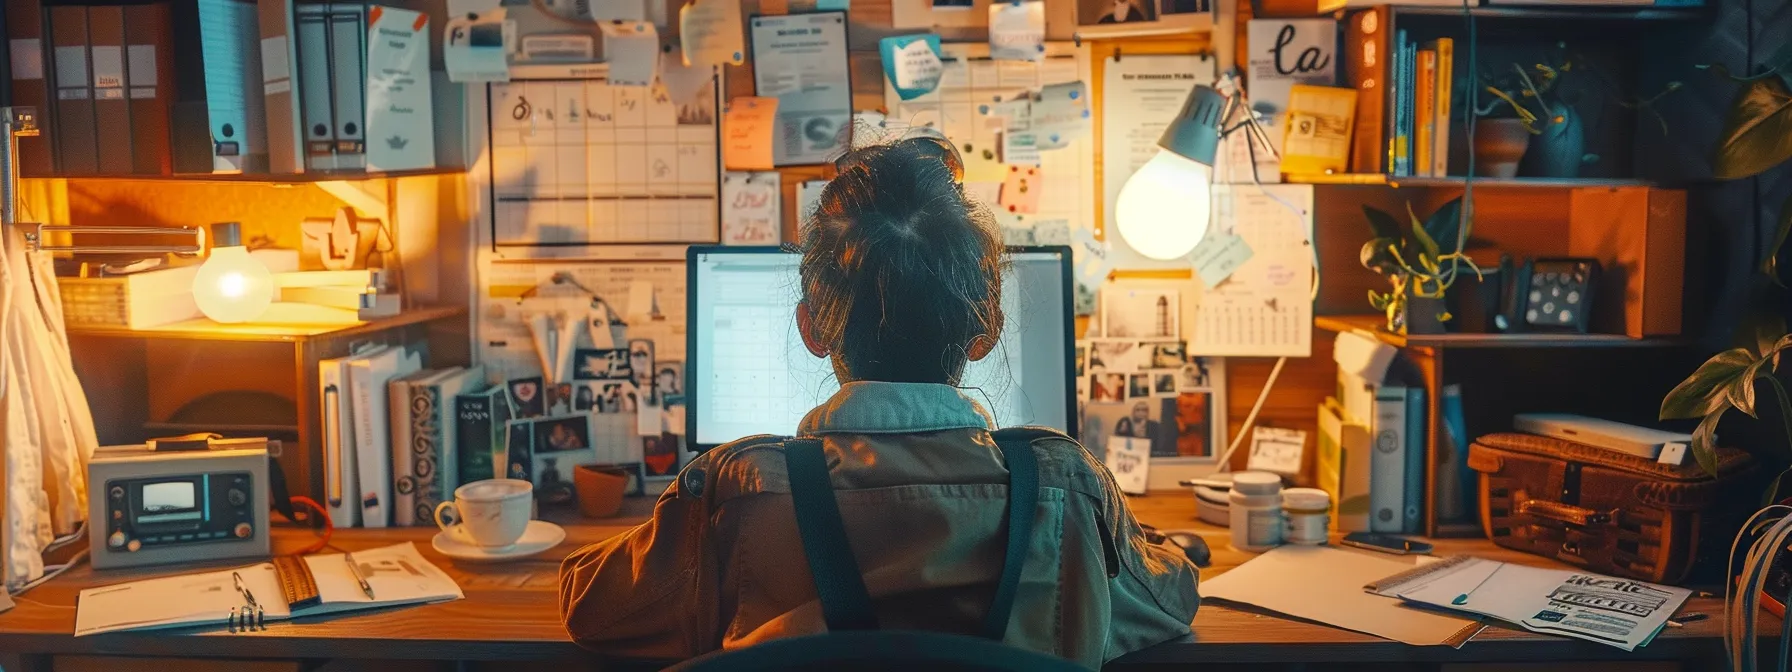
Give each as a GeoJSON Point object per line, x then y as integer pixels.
{"type": "Point", "coordinates": [1499, 144]}
{"type": "Point", "coordinates": [599, 489]}
{"type": "Point", "coordinates": [1422, 315]}
{"type": "Point", "coordinates": [1558, 150]}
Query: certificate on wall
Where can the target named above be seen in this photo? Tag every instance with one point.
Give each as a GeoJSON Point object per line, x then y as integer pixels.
{"type": "Point", "coordinates": [800, 59]}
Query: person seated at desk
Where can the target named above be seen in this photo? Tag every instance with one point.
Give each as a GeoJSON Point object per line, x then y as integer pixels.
{"type": "Point", "coordinates": [901, 288]}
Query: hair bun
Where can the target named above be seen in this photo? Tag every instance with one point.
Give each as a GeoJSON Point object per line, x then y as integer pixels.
{"type": "Point", "coordinates": [927, 142]}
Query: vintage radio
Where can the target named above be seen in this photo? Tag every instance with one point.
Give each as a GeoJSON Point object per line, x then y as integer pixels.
{"type": "Point", "coordinates": [206, 502]}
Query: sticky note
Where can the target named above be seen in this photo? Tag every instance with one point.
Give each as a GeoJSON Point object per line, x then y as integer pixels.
{"type": "Point", "coordinates": [640, 298]}
{"type": "Point", "coordinates": [684, 83]}
{"type": "Point", "coordinates": [632, 48]}
{"type": "Point", "coordinates": [1017, 30]}
{"type": "Point", "coordinates": [1060, 113]}
{"type": "Point", "coordinates": [774, 6]}
{"type": "Point", "coordinates": [711, 33]}
{"type": "Point", "coordinates": [473, 47]}
{"type": "Point", "coordinates": [751, 212]}
{"type": "Point", "coordinates": [912, 64]}
{"type": "Point", "coordinates": [747, 133]}
{"type": "Point", "coordinates": [1020, 192]}
{"type": "Point", "coordinates": [1218, 256]}
{"type": "Point", "coordinates": [1092, 257]}
{"type": "Point", "coordinates": [833, 5]}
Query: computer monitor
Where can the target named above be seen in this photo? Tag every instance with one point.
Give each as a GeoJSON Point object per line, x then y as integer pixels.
{"type": "Point", "coordinates": [747, 372]}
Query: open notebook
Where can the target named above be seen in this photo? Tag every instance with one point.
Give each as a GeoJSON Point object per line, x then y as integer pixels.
{"type": "Point", "coordinates": [397, 574]}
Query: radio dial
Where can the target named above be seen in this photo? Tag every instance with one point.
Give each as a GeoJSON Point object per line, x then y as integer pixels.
{"type": "Point", "coordinates": [236, 497]}
{"type": "Point", "coordinates": [243, 530]}
{"type": "Point", "coordinates": [116, 540]}
{"type": "Point", "coordinates": [133, 546]}
{"type": "Point", "coordinates": [117, 492]}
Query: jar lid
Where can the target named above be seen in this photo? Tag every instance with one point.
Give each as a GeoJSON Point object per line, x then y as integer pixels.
{"type": "Point", "coordinates": [1251, 483]}
{"type": "Point", "coordinates": [1306, 499]}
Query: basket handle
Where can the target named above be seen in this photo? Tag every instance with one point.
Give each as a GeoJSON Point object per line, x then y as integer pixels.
{"type": "Point", "coordinates": [1566, 513]}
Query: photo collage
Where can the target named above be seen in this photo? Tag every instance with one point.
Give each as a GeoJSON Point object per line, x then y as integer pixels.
{"type": "Point", "coordinates": [621, 407]}
{"type": "Point", "coordinates": [1136, 379]}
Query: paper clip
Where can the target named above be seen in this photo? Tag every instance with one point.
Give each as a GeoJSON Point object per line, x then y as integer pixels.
{"type": "Point", "coordinates": [250, 616]}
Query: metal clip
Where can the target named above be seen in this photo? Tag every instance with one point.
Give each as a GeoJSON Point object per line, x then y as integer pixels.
{"type": "Point", "coordinates": [250, 616]}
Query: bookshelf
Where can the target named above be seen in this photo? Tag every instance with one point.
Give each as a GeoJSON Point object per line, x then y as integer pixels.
{"type": "Point", "coordinates": [1459, 181]}
{"type": "Point", "coordinates": [1563, 13]}
{"type": "Point", "coordinates": [1372, 325]}
{"type": "Point", "coordinates": [267, 178]}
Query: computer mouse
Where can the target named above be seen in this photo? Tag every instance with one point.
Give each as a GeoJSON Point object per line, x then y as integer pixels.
{"type": "Point", "coordinates": [1193, 546]}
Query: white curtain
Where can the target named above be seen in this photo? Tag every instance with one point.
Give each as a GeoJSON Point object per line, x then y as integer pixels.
{"type": "Point", "coordinates": [49, 433]}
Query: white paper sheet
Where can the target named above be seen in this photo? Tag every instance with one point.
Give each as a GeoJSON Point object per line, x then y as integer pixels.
{"type": "Point", "coordinates": [1141, 96]}
{"type": "Point", "coordinates": [1017, 31]}
{"type": "Point", "coordinates": [1130, 460]}
{"type": "Point", "coordinates": [400, 132]}
{"type": "Point", "coordinates": [711, 33]}
{"type": "Point", "coordinates": [800, 59]}
{"type": "Point", "coordinates": [579, 162]}
{"type": "Point", "coordinates": [751, 208]}
{"type": "Point", "coordinates": [1265, 307]}
{"type": "Point", "coordinates": [633, 51]}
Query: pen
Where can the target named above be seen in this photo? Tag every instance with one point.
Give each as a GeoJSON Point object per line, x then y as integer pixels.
{"type": "Point", "coordinates": [356, 570]}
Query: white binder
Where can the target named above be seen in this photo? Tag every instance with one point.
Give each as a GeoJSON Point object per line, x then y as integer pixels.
{"type": "Point", "coordinates": [348, 70]}
{"type": "Point", "coordinates": [1387, 463]}
{"type": "Point", "coordinates": [229, 37]}
{"type": "Point", "coordinates": [316, 109]}
{"type": "Point", "coordinates": [368, 392]}
{"type": "Point", "coordinates": [341, 471]}
{"type": "Point", "coordinates": [279, 43]}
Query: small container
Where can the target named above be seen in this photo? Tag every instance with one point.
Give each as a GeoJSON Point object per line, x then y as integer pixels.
{"type": "Point", "coordinates": [1256, 508]}
{"type": "Point", "coordinates": [1213, 506]}
{"type": "Point", "coordinates": [1308, 511]}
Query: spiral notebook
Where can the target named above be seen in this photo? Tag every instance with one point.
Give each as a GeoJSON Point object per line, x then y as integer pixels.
{"type": "Point", "coordinates": [397, 575]}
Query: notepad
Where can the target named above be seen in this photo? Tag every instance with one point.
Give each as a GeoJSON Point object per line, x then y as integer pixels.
{"type": "Point", "coordinates": [1325, 584]}
{"type": "Point", "coordinates": [398, 575]}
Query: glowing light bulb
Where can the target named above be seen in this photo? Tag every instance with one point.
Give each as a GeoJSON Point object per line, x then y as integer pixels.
{"type": "Point", "coordinates": [232, 286]}
{"type": "Point", "coordinates": [1165, 207]}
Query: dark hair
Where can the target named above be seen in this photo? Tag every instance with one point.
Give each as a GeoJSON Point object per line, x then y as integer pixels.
{"type": "Point", "coordinates": [901, 271]}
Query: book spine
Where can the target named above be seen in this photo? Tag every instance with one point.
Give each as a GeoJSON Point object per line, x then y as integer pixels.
{"type": "Point", "coordinates": [1394, 95]}
{"type": "Point", "coordinates": [77, 148]}
{"type": "Point", "coordinates": [30, 87]}
{"type": "Point", "coordinates": [426, 450]}
{"type": "Point", "coordinates": [1416, 448]}
{"type": "Point", "coordinates": [473, 434]}
{"type": "Point", "coordinates": [1454, 479]}
{"type": "Point", "coordinates": [340, 471]}
{"type": "Point", "coordinates": [1387, 477]}
{"type": "Point", "coordinates": [1446, 80]}
{"type": "Point", "coordinates": [149, 65]}
{"type": "Point", "coordinates": [111, 107]}
{"type": "Point", "coordinates": [1410, 60]}
{"type": "Point", "coordinates": [402, 428]}
{"type": "Point", "coordinates": [1366, 68]}
{"type": "Point", "coordinates": [1425, 95]}
{"type": "Point", "coordinates": [371, 451]}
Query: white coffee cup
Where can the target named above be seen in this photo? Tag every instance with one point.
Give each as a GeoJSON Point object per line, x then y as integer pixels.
{"type": "Point", "coordinates": [491, 514]}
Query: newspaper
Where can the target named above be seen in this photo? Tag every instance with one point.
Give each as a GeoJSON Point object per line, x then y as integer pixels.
{"type": "Point", "coordinates": [1604, 609]}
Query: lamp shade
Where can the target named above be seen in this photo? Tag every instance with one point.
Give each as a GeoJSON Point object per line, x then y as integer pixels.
{"type": "Point", "coordinates": [232, 285]}
{"type": "Point", "coordinates": [1164, 209]}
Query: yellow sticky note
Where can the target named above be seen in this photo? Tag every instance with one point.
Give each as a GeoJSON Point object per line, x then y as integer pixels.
{"type": "Point", "coordinates": [1020, 192]}
{"type": "Point", "coordinates": [747, 133]}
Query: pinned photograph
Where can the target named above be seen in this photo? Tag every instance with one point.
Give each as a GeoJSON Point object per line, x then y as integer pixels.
{"type": "Point", "coordinates": [584, 399]}
{"type": "Point", "coordinates": [1141, 313]}
{"type": "Point", "coordinates": [1108, 387]}
{"type": "Point", "coordinates": [1138, 386]}
{"type": "Point", "coordinates": [559, 399]}
{"type": "Point", "coordinates": [558, 435]}
{"type": "Point", "coordinates": [1182, 426]}
{"type": "Point", "coordinates": [1169, 355]}
{"type": "Point", "coordinates": [1083, 385]}
{"type": "Point", "coordinates": [1120, 356]}
{"type": "Point", "coordinates": [519, 449]}
{"type": "Point", "coordinates": [1196, 375]}
{"type": "Point", "coordinates": [640, 360]}
{"type": "Point", "coordinates": [668, 380]}
{"type": "Point", "coordinates": [526, 397]}
{"type": "Point", "coordinates": [601, 364]}
{"type": "Point", "coordinates": [1163, 384]}
{"type": "Point", "coordinates": [551, 486]}
{"type": "Point", "coordinates": [1082, 356]}
{"type": "Point", "coordinates": [659, 453]}
{"type": "Point", "coordinates": [1194, 425]}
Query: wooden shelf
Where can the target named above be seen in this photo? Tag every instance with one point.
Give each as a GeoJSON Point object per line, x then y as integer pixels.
{"type": "Point", "coordinates": [294, 178]}
{"type": "Point", "coordinates": [1571, 12]}
{"type": "Point", "coordinates": [1371, 324]}
{"type": "Point", "coordinates": [1458, 181]}
{"type": "Point", "coordinates": [206, 330]}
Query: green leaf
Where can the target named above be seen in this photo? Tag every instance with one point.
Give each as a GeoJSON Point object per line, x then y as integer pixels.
{"type": "Point", "coordinates": [1771, 265]}
{"type": "Point", "coordinates": [1704, 391]}
{"type": "Point", "coordinates": [1741, 391]}
{"type": "Point", "coordinates": [1382, 224]}
{"type": "Point", "coordinates": [1758, 134]}
{"type": "Point", "coordinates": [1773, 488]}
{"type": "Point", "coordinates": [1704, 442]}
{"type": "Point", "coordinates": [1427, 244]}
{"type": "Point", "coordinates": [1446, 224]}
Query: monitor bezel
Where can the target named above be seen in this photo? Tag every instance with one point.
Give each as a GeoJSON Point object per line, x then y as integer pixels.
{"type": "Point", "coordinates": [692, 400]}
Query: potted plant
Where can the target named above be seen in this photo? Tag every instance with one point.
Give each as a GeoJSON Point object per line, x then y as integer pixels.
{"type": "Point", "coordinates": [1416, 265]}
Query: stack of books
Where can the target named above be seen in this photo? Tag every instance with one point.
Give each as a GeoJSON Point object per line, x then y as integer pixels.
{"type": "Point", "coordinates": [1404, 101]}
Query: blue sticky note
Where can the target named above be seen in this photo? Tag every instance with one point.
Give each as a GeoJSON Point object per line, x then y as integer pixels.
{"type": "Point", "coordinates": [912, 64]}
{"type": "Point", "coordinates": [1218, 256]}
{"type": "Point", "coordinates": [833, 5]}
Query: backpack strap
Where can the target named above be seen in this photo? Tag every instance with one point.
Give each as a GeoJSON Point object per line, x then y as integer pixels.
{"type": "Point", "coordinates": [1023, 501]}
{"type": "Point", "coordinates": [845, 603]}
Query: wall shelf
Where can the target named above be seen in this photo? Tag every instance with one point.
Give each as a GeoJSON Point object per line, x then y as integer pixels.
{"type": "Point", "coordinates": [206, 330]}
{"type": "Point", "coordinates": [1370, 324]}
{"type": "Point", "coordinates": [1573, 12]}
{"type": "Point", "coordinates": [292, 178]}
{"type": "Point", "coordinates": [1458, 181]}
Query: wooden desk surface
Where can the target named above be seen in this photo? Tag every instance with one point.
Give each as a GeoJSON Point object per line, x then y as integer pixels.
{"type": "Point", "coordinates": [510, 613]}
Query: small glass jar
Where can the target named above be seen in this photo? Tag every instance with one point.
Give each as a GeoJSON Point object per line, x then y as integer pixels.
{"type": "Point", "coordinates": [1256, 511]}
{"type": "Point", "coordinates": [1308, 511]}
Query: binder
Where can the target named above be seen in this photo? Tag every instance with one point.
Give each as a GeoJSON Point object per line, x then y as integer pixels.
{"type": "Point", "coordinates": [407, 428]}
{"type": "Point", "coordinates": [218, 122]}
{"type": "Point", "coordinates": [30, 87]}
{"type": "Point", "coordinates": [77, 148]}
{"type": "Point", "coordinates": [341, 473]}
{"type": "Point", "coordinates": [1446, 78]}
{"type": "Point", "coordinates": [1367, 54]}
{"type": "Point", "coordinates": [369, 394]}
{"type": "Point", "coordinates": [279, 44]}
{"type": "Point", "coordinates": [1387, 463]}
{"type": "Point", "coordinates": [149, 76]}
{"type": "Point", "coordinates": [348, 77]}
{"type": "Point", "coordinates": [1416, 446]}
{"type": "Point", "coordinates": [430, 459]}
{"type": "Point", "coordinates": [317, 111]}
{"type": "Point", "coordinates": [111, 108]}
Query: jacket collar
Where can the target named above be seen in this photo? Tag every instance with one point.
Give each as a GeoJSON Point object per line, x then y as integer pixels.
{"type": "Point", "coordinates": [872, 407]}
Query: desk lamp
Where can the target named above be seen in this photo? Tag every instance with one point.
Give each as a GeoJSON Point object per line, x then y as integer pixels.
{"type": "Point", "coordinates": [232, 286]}
{"type": "Point", "coordinates": [1165, 207]}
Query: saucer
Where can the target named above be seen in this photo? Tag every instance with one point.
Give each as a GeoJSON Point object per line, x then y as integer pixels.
{"type": "Point", "coordinates": [538, 537]}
